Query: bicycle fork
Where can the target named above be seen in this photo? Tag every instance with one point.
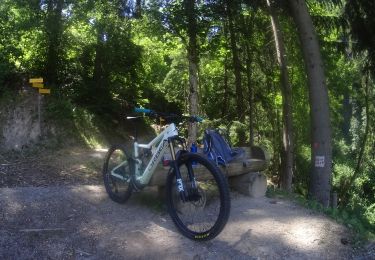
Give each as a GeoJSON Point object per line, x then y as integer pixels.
{"type": "Point", "coordinates": [184, 191]}
{"type": "Point", "coordinates": [180, 186]}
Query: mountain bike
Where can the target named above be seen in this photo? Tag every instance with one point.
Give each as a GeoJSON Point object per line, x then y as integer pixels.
{"type": "Point", "coordinates": [197, 193]}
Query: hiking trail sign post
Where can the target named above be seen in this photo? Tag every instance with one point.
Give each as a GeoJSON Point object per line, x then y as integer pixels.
{"type": "Point", "coordinates": [39, 84]}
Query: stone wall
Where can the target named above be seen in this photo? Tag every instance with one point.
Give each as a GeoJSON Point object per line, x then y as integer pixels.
{"type": "Point", "coordinates": [19, 125]}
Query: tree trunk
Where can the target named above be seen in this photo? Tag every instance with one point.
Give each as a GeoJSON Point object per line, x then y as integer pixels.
{"type": "Point", "coordinates": [236, 63]}
{"type": "Point", "coordinates": [321, 148]}
{"type": "Point", "coordinates": [224, 109]}
{"type": "Point", "coordinates": [54, 33]}
{"type": "Point", "coordinates": [193, 67]}
{"type": "Point", "coordinates": [349, 184]}
{"type": "Point", "coordinates": [227, 89]}
{"type": "Point", "coordinates": [248, 25]}
{"type": "Point", "coordinates": [347, 111]}
{"type": "Point", "coordinates": [286, 92]}
{"type": "Point", "coordinates": [250, 94]}
{"type": "Point", "coordinates": [98, 74]}
{"type": "Point", "coordinates": [138, 9]}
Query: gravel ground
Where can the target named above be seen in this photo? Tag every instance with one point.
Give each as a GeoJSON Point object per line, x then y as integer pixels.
{"type": "Point", "coordinates": [80, 222]}
{"type": "Point", "coordinates": [56, 208]}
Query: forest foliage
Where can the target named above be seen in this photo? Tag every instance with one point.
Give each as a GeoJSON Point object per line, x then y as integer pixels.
{"type": "Point", "coordinates": [109, 56]}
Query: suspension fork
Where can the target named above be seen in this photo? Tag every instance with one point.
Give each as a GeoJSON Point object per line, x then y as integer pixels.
{"type": "Point", "coordinates": [181, 187]}
{"type": "Point", "coordinates": [174, 165]}
{"type": "Point", "coordinates": [179, 183]}
{"type": "Point", "coordinates": [191, 175]}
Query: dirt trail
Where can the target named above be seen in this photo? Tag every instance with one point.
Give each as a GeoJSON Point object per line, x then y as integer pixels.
{"type": "Point", "coordinates": [63, 221]}
{"type": "Point", "coordinates": [84, 223]}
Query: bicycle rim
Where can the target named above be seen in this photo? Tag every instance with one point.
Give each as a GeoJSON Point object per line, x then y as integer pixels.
{"type": "Point", "coordinates": [117, 174]}
{"type": "Point", "coordinates": [206, 211]}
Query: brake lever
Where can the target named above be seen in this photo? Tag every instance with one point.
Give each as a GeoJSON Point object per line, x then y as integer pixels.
{"type": "Point", "coordinates": [133, 117]}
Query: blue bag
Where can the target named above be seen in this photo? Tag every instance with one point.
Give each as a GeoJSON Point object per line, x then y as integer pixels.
{"type": "Point", "coordinates": [217, 148]}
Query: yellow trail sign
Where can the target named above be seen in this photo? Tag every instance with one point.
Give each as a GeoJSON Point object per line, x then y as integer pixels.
{"type": "Point", "coordinates": [38, 85]}
{"type": "Point", "coordinates": [44, 91]}
{"type": "Point", "coordinates": [36, 80]}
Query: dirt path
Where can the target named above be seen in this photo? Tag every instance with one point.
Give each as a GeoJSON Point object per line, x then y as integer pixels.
{"type": "Point", "coordinates": [81, 222]}
{"type": "Point", "coordinates": [64, 221]}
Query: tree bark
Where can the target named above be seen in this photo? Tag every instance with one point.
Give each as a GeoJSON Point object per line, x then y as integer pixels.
{"type": "Point", "coordinates": [98, 74]}
{"type": "Point", "coordinates": [248, 24]}
{"type": "Point", "coordinates": [193, 58]}
{"type": "Point", "coordinates": [287, 152]}
{"type": "Point", "coordinates": [347, 111]}
{"type": "Point", "coordinates": [224, 109]}
{"type": "Point", "coordinates": [230, 5]}
{"type": "Point", "coordinates": [321, 147]}
{"type": "Point", "coordinates": [138, 9]}
{"type": "Point", "coordinates": [250, 94]}
{"type": "Point", "coordinates": [349, 184]}
{"type": "Point", "coordinates": [227, 91]}
{"type": "Point", "coordinates": [54, 33]}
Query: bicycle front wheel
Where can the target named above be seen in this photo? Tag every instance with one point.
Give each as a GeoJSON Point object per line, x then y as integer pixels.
{"type": "Point", "coordinates": [117, 174]}
{"type": "Point", "coordinates": [205, 211]}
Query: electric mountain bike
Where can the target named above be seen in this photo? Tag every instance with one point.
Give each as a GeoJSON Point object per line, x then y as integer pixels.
{"type": "Point", "coordinates": [197, 193]}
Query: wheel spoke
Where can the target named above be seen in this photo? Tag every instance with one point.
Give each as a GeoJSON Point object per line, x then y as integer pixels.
{"type": "Point", "coordinates": [205, 212]}
{"type": "Point", "coordinates": [117, 174]}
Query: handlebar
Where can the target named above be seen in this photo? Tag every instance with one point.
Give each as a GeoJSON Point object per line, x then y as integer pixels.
{"type": "Point", "coordinates": [152, 113]}
{"type": "Point", "coordinates": [142, 110]}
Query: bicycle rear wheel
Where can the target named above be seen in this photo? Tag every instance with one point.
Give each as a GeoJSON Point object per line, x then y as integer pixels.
{"type": "Point", "coordinates": [117, 174]}
{"type": "Point", "coordinates": [206, 210]}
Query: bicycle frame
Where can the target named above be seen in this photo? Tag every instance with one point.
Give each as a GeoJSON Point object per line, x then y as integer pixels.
{"type": "Point", "coordinates": [162, 142]}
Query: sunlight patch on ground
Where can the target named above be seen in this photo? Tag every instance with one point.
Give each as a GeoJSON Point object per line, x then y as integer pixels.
{"type": "Point", "coordinates": [101, 149]}
{"type": "Point", "coordinates": [74, 168]}
{"type": "Point", "coordinates": [75, 152]}
{"type": "Point", "coordinates": [304, 231]}
{"type": "Point", "coordinates": [92, 193]}
{"type": "Point", "coordinates": [306, 235]}
{"type": "Point", "coordinates": [170, 235]}
{"type": "Point", "coordinates": [97, 155]}
{"type": "Point", "coordinates": [297, 233]}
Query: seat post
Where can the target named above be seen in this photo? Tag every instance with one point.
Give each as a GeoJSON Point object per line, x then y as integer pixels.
{"type": "Point", "coordinates": [134, 123]}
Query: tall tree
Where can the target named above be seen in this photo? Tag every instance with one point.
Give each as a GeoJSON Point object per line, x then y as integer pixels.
{"type": "Point", "coordinates": [247, 30]}
{"type": "Point", "coordinates": [193, 57]}
{"type": "Point", "coordinates": [99, 73]}
{"type": "Point", "coordinates": [138, 9]}
{"type": "Point", "coordinates": [321, 147]}
{"type": "Point", "coordinates": [54, 31]}
{"type": "Point", "coordinates": [231, 12]}
{"type": "Point", "coordinates": [287, 153]}
{"type": "Point", "coordinates": [348, 185]}
{"type": "Point", "coordinates": [361, 17]}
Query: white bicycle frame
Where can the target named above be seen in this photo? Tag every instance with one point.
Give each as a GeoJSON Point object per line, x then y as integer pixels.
{"type": "Point", "coordinates": [161, 141]}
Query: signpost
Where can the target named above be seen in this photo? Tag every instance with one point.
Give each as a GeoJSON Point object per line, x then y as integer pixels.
{"type": "Point", "coordinates": [36, 80]}
{"type": "Point", "coordinates": [38, 83]}
{"type": "Point", "coordinates": [44, 91]}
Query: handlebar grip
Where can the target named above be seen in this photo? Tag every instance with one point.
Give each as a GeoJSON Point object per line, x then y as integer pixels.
{"type": "Point", "coordinates": [142, 110]}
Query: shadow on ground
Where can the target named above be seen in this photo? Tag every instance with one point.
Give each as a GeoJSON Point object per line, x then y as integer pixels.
{"type": "Point", "coordinates": [74, 222]}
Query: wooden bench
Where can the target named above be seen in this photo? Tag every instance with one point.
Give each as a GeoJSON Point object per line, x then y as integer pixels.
{"type": "Point", "coordinates": [244, 174]}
